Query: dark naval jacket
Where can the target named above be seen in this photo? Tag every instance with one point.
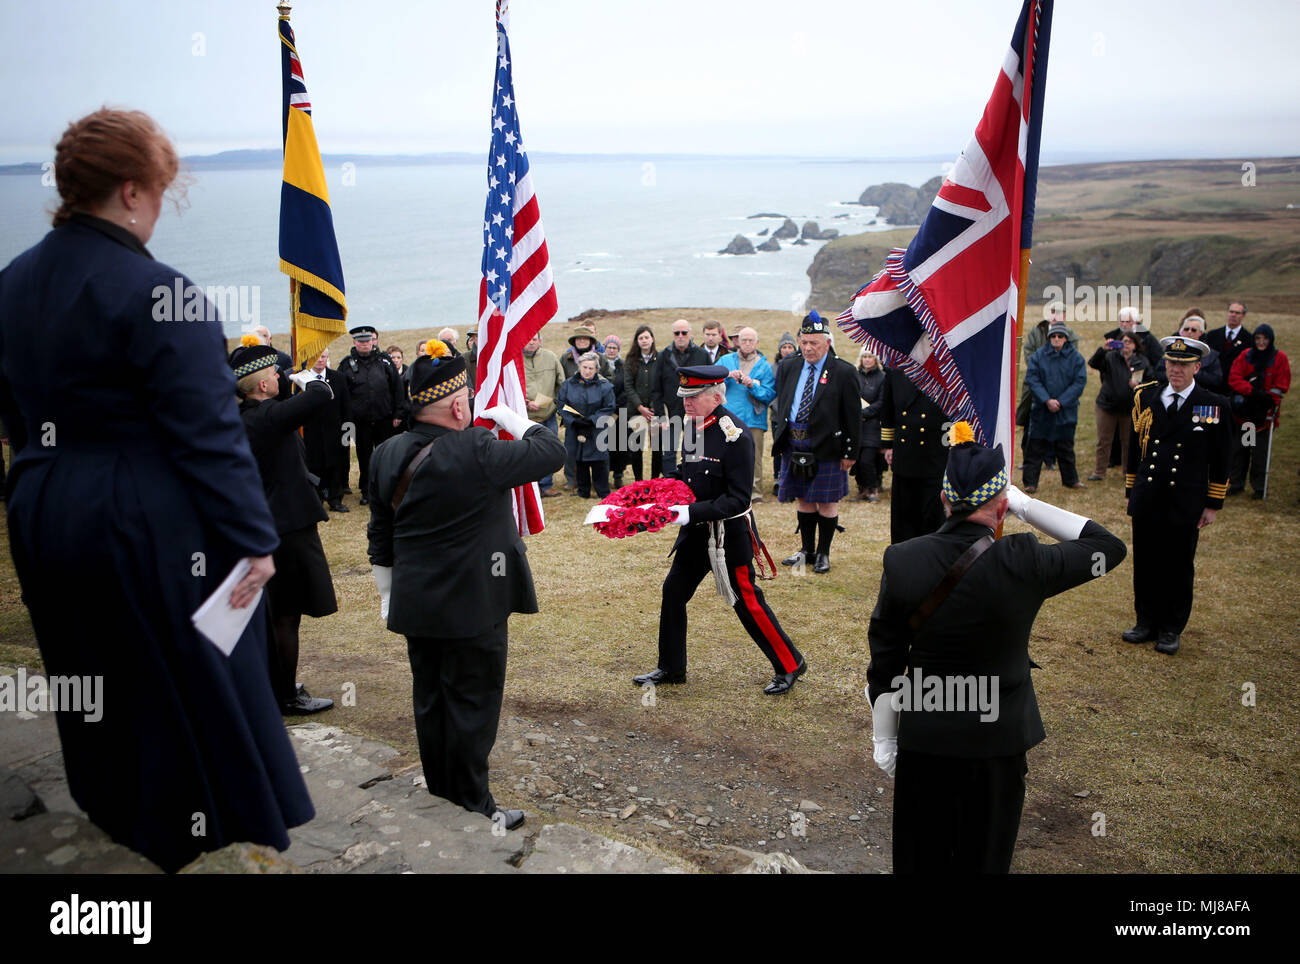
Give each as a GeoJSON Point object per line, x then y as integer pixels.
{"type": "Point", "coordinates": [459, 565]}
{"type": "Point", "coordinates": [718, 465]}
{"type": "Point", "coordinates": [835, 423]}
{"type": "Point", "coordinates": [1178, 464]}
{"type": "Point", "coordinates": [376, 390]}
{"type": "Point", "coordinates": [980, 630]}
{"type": "Point", "coordinates": [913, 426]}
{"type": "Point", "coordinates": [272, 427]}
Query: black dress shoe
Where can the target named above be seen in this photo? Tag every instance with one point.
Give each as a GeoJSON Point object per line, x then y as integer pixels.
{"type": "Point", "coordinates": [822, 563]}
{"type": "Point", "coordinates": [303, 703]}
{"type": "Point", "coordinates": [510, 819]}
{"type": "Point", "coordinates": [659, 677]}
{"type": "Point", "coordinates": [782, 682]}
{"type": "Point", "coordinates": [1167, 643]}
{"type": "Point", "coordinates": [1139, 634]}
{"type": "Point", "coordinates": [339, 507]}
{"type": "Point", "coordinates": [798, 559]}
{"type": "Point", "coordinates": [363, 500]}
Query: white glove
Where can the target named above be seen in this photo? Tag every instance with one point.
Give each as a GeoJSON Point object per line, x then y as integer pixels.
{"type": "Point", "coordinates": [884, 731]}
{"type": "Point", "coordinates": [302, 378]}
{"type": "Point", "coordinates": [683, 514]}
{"type": "Point", "coordinates": [1061, 524]}
{"type": "Point", "coordinates": [384, 583]}
{"type": "Point", "coordinates": [508, 419]}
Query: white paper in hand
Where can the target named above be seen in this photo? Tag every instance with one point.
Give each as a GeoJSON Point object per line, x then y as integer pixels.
{"type": "Point", "coordinates": [220, 622]}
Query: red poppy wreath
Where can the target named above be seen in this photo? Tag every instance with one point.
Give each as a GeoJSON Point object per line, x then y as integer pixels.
{"type": "Point", "coordinates": [642, 507]}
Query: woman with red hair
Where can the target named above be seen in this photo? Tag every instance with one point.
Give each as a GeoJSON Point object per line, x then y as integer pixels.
{"type": "Point", "coordinates": [133, 494]}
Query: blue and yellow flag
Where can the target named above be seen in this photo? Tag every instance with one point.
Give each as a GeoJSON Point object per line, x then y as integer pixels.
{"type": "Point", "coordinates": [309, 253]}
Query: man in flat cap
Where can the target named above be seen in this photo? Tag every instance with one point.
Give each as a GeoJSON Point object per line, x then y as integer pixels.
{"type": "Point", "coordinates": [1177, 480]}
{"type": "Point", "coordinates": [378, 397]}
{"type": "Point", "coordinates": [953, 705]}
{"type": "Point", "coordinates": [816, 428]}
{"type": "Point", "coordinates": [451, 568]}
{"type": "Point", "coordinates": [718, 534]}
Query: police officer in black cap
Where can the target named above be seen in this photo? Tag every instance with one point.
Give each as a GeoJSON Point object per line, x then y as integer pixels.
{"type": "Point", "coordinates": [817, 423]}
{"type": "Point", "coordinates": [301, 585]}
{"type": "Point", "coordinates": [1178, 461]}
{"type": "Point", "coordinates": [718, 534]}
{"type": "Point", "coordinates": [378, 394]}
{"type": "Point", "coordinates": [953, 705]}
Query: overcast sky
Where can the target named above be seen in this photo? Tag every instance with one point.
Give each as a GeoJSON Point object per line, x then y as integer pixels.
{"type": "Point", "coordinates": [1130, 78]}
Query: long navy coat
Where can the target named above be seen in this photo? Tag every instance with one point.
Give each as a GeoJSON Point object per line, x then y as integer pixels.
{"type": "Point", "coordinates": [1061, 375]}
{"type": "Point", "coordinates": [132, 495]}
{"type": "Point", "coordinates": [595, 400]}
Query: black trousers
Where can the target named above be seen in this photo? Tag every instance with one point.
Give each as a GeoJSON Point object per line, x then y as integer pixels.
{"type": "Point", "coordinates": [914, 507]}
{"type": "Point", "coordinates": [1249, 458]}
{"type": "Point", "coordinates": [690, 566]}
{"type": "Point", "coordinates": [457, 686]}
{"type": "Point", "coordinates": [370, 434]}
{"type": "Point", "coordinates": [956, 816]}
{"type": "Point", "coordinates": [1039, 450]}
{"type": "Point", "coordinates": [1164, 570]}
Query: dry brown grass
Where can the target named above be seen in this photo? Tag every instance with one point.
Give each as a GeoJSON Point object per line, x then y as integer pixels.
{"type": "Point", "coordinates": [1188, 778]}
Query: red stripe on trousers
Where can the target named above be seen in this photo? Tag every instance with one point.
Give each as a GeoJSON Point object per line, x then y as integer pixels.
{"type": "Point", "coordinates": [764, 624]}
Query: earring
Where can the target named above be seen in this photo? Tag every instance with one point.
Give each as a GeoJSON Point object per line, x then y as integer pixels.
{"type": "Point", "coordinates": [133, 220]}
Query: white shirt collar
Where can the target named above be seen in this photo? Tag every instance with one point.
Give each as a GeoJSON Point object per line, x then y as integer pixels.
{"type": "Point", "coordinates": [1168, 394]}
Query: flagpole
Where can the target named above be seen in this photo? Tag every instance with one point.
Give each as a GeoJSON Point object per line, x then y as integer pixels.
{"type": "Point", "coordinates": [283, 9]}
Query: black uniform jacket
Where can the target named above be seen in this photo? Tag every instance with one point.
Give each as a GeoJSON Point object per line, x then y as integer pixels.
{"type": "Point", "coordinates": [459, 565]}
{"type": "Point", "coordinates": [719, 472]}
{"type": "Point", "coordinates": [376, 390]}
{"type": "Point", "coordinates": [272, 427]}
{"type": "Point", "coordinates": [913, 426]}
{"type": "Point", "coordinates": [835, 423]}
{"type": "Point", "coordinates": [1179, 466]}
{"type": "Point", "coordinates": [323, 434]}
{"type": "Point", "coordinates": [980, 629]}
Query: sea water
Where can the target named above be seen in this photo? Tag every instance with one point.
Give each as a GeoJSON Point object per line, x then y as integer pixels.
{"type": "Point", "coordinates": [623, 232]}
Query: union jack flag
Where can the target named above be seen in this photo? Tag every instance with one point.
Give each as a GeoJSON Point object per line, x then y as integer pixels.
{"type": "Point", "coordinates": [517, 293]}
{"type": "Point", "coordinates": [945, 310]}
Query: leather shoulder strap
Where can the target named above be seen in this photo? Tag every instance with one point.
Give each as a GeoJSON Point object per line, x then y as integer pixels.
{"type": "Point", "coordinates": [948, 583]}
{"type": "Point", "coordinates": [404, 482]}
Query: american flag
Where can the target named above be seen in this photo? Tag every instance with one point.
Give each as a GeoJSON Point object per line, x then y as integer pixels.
{"type": "Point", "coordinates": [517, 294]}
{"type": "Point", "coordinates": [945, 309]}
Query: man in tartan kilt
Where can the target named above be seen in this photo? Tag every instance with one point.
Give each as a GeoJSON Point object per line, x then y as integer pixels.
{"type": "Point", "coordinates": [818, 422]}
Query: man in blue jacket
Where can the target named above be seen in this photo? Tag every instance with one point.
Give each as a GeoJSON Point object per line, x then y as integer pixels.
{"type": "Point", "coordinates": [751, 385]}
{"type": "Point", "coordinates": [1056, 378]}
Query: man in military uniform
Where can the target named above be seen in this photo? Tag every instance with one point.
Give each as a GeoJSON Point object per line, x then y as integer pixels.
{"type": "Point", "coordinates": [816, 426]}
{"type": "Point", "coordinates": [717, 533]}
{"type": "Point", "coordinates": [378, 397]}
{"type": "Point", "coordinates": [911, 434]}
{"type": "Point", "coordinates": [1176, 483]}
{"type": "Point", "coordinates": [450, 567]}
{"type": "Point", "coordinates": [956, 608]}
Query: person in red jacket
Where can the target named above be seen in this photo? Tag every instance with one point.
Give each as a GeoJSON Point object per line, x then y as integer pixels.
{"type": "Point", "coordinates": [1258, 380]}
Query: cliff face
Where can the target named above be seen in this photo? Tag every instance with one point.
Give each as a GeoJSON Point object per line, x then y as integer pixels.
{"type": "Point", "coordinates": [902, 204]}
{"type": "Point", "coordinates": [1171, 266]}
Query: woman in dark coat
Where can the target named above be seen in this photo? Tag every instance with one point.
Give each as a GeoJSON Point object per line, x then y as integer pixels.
{"type": "Point", "coordinates": [1122, 369]}
{"type": "Point", "coordinates": [619, 457]}
{"type": "Point", "coordinates": [133, 496]}
{"type": "Point", "coordinates": [638, 382]}
{"type": "Point", "coordinates": [586, 404]}
{"type": "Point", "coordinates": [870, 467]}
{"type": "Point", "coordinates": [301, 585]}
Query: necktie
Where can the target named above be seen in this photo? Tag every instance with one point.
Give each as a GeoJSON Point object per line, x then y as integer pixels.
{"type": "Point", "coordinates": [805, 400]}
{"type": "Point", "coordinates": [1173, 405]}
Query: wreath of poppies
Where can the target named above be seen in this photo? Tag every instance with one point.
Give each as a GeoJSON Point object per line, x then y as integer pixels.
{"type": "Point", "coordinates": [643, 507]}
